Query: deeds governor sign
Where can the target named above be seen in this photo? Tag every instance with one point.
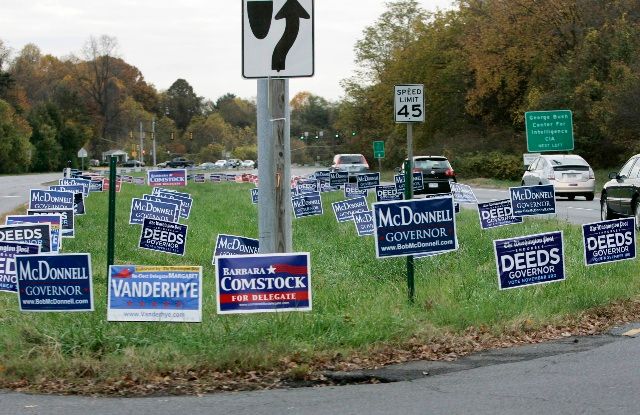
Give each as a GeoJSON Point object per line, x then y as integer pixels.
{"type": "Point", "coordinates": [549, 130]}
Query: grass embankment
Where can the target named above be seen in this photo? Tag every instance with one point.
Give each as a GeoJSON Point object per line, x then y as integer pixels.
{"type": "Point", "coordinates": [359, 302]}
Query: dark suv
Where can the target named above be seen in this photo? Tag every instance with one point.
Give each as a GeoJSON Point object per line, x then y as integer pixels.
{"type": "Point", "coordinates": [436, 171]}
{"type": "Point", "coordinates": [621, 195]}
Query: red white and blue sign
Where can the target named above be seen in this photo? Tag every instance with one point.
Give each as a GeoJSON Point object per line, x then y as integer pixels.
{"type": "Point", "coordinates": [155, 293]}
{"type": "Point", "coordinates": [338, 178]}
{"type": "Point", "coordinates": [199, 178]}
{"type": "Point", "coordinates": [495, 214]}
{"type": "Point", "coordinates": [351, 190]}
{"type": "Point", "coordinates": [533, 200]}
{"type": "Point", "coordinates": [141, 209]}
{"type": "Point", "coordinates": [387, 193]}
{"type": "Point", "coordinates": [8, 252]}
{"type": "Point", "coordinates": [364, 223]}
{"type": "Point", "coordinates": [235, 245]}
{"type": "Point", "coordinates": [50, 199]}
{"type": "Point", "coordinates": [263, 283]}
{"type": "Point", "coordinates": [167, 177]}
{"type": "Point", "coordinates": [161, 236]}
{"type": "Point", "coordinates": [609, 241]}
{"type": "Point", "coordinates": [529, 260]}
{"type": "Point", "coordinates": [417, 226]}
{"type": "Point", "coordinates": [345, 209]}
{"type": "Point", "coordinates": [309, 204]}
{"type": "Point", "coordinates": [68, 219]}
{"type": "Point", "coordinates": [59, 282]}
{"type": "Point", "coordinates": [368, 180]}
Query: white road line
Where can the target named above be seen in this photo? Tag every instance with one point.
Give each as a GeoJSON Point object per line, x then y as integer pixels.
{"type": "Point", "coordinates": [577, 208]}
{"type": "Point", "coordinates": [10, 196]}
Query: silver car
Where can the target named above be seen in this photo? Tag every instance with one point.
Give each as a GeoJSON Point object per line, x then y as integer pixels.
{"type": "Point", "coordinates": [569, 174]}
{"type": "Point", "coordinates": [352, 163]}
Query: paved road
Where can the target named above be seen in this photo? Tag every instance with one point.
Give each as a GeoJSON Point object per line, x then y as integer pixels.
{"type": "Point", "coordinates": [601, 378]}
{"type": "Point", "coordinates": [14, 190]}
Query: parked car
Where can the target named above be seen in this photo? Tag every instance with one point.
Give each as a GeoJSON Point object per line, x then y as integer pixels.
{"type": "Point", "coordinates": [621, 195]}
{"type": "Point", "coordinates": [248, 164]}
{"type": "Point", "coordinates": [220, 164]}
{"type": "Point", "coordinates": [133, 163]}
{"type": "Point", "coordinates": [180, 162]}
{"type": "Point", "coordinates": [207, 165]}
{"type": "Point", "coordinates": [437, 173]}
{"type": "Point", "coordinates": [234, 163]}
{"type": "Point", "coordinates": [353, 164]}
{"type": "Point", "coordinates": [569, 174]}
{"type": "Point", "coordinates": [162, 165]}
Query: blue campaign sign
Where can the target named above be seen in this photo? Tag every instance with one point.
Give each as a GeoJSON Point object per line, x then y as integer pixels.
{"type": "Point", "coordinates": [96, 186]}
{"type": "Point", "coordinates": [345, 209]}
{"type": "Point", "coordinates": [31, 233]}
{"type": "Point", "coordinates": [368, 180]}
{"type": "Point", "coordinates": [68, 219]}
{"type": "Point", "coordinates": [498, 213]}
{"type": "Point", "coordinates": [74, 181]}
{"type": "Point", "coordinates": [60, 282]}
{"type": "Point", "coordinates": [68, 188]}
{"type": "Point", "coordinates": [254, 196]}
{"type": "Point", "coordinates": [199, 178]}
{"type": "Point", "coordinates": [176, 202]}
{"type": "Point", "coordinates": [234, 245]}
{"type": "Point", "coordinates": [50, 199]}
{"type": "Point", "coordinates": [263, 283]}
{"type": "Point", "coordinates": [364, 223]}
{"type": "Point", "coordinates": [141, 209]}
{"type": "Point", "coordinates": [158, 235]}
{"type": "Point", "coordinates": [167, 177]}
{"type": "Point", "coordinates": [351, 190]}
{"type": "Point", "coordinates": [418, 182]}
{"type": "Point", "coordinates": [139, 181]}
{"type": "Point", "coordinates": [338, 178]}
{"type": "Point", "coordinates": [533, 200]}
{"type": "Point", "coordinates": [8, 252]}
{"type": "Point", "coordinates": [55, 222]}
{"type": "Point", "coordinates": [417, 226]}
{"type": "Point", "coordinates": [305, 186]}
{"type": "Point", "coordinates": [529, 260]}
{"type": "Point", "coordinates": [78, 204]}
{"type": "Point", "coordinates": [326, 187]}
{"type": "Point", "coordinates": [462, 193]}
{"type": "Point", "coordinates": [216, 178]}
{"type": "Point", "coordinates": [309, 204]}
{"type": "Point", "coordinates": [387, 193]}
{"type": "Point", "coordinates": [609, 241]}
{"type": "Point", "coordinates": [155, 293]}
{"type": "Point", "coordinates": [185, 198]}
{"type": "Point", "coordinates": [323, 175]}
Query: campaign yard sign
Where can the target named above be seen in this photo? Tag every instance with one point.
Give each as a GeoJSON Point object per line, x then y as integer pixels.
{"type": "Point", "coordinates": [68, 188]}
{"type": "Point", "coordinates": [495, 214]}
{"type": "Point", "coordinates": [462, 193]}
{"type": "Point", "coordinates": [68, 219]}
{"type": "Point", "coordinates": [351, 190]}
{"type": "Point", "coordinates": [55, 282]}
{"type": "Point", "coordinates": [418, 182]}
{"type": "Point", "coordinates": [609, 241]}
{"type": "Point", "coordinates": [127, 179]}
{"type": "Point", "coordinates": [78, 204]}
{"type": "Point", "coordinates": [234, 245]}
{"type": "Point", "coordinates": [345, 209]}
{"type": "Point", "coordinates": [309, 204]}
{"type": "Point", "coordinates": [176, 202]}
{"type": "Point", "coordinates": [54, 220]}
{"type": "Point", "coordinates": [263, 283]}
{"type": "Point", "coordinates": [412, 227]}
{"type": "Point", "coordinates": [34, 233]}
{"type": "Point", "coordinates": [305, 186]}
{"type": "Point", "coordinates": [338, 178]}
{"type": "Point", "coordinates": [254, 196]}
{"type": "Point", "coordinates": [323, 175]}
{"type": "Point", "coordinates": [74, 181]}
{"type": "Point", "coordinates": [368, 180]}
{"type": "Point", "coordinates": [162, 236]}
{"type": "Point", "coordinates": [185, 198]}
{"type": "Point", "coordinates": [8, 252]}
{"type": "Point", "coordinates": [105, 185]}
{"type": "Point", "coordinates": [139, 181]}
{"type": "Point", "coordinates": [387, 193]}
{"type": "Point", "coordinates": [141, 209]}
{"type": "Point", "coordinates": [50, 199]}
{"type": "Point", "coordinates": [167, 177]}
{"type": "Point", "coordinates": [96, 186]}
{"type": "Point", "coordinates": [533, 200]}
{"type": "Point", "coordinates": [529, 260]}
{"type": "Point", "coordinates": [199, 178]}
{"type": "Point", "coordinates": [216, 178]}
{"type": "Point", "coordinates": [155, 293]}
{"type": "Point", "coordinates": [326, 187]}
{"type": "Point", "coordinates": [364, 223]}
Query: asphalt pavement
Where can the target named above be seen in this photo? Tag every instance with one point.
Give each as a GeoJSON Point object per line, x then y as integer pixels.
{"type": "Point", "coordinates": [14, 190]}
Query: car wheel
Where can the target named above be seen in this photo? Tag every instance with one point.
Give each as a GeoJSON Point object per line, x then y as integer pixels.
{"type": "Point", "coordinates": [589, 196]}
{"type": "Point", "coordinates": [605, 212]}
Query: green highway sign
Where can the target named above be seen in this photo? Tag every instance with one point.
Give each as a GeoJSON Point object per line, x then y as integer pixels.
{"type": "Point", "coordinates": [378, 149]}
{"type": "Point", "coordinates": [549, 130]}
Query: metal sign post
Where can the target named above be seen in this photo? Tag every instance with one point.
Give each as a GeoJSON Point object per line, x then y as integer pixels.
{"type": "Point", "coordinates": [409, 108]}
{"type": "Point", "coordinates": [111, 224]}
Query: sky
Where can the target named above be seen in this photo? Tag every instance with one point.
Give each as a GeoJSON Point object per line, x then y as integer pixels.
{"type": "Point", "coordinates": [197, 40]}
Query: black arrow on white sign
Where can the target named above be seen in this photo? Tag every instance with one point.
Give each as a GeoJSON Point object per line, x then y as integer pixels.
{"type": "Point", "coordinates": [292, 11]}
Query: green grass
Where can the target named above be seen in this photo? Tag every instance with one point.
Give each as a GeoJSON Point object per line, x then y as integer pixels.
{"type": "Point", "coordinates": [359, 302]}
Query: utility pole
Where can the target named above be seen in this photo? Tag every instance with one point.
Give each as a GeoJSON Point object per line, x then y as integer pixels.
{"type": "Point", "coordinates": [141, 158]}
{"type": "Point", "coordinates": [153, 137]}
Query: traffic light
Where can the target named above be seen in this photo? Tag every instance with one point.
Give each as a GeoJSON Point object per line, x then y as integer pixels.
{"type": "Point", "coordinates": [337, 135]}
{"type": "Point", "coordinates": [190, 135]}
{"type": "Point", "coordinates": [353, 133]}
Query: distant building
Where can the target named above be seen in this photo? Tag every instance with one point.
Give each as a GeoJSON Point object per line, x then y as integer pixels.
{"type": "Point", "coordinates": [122, 156]}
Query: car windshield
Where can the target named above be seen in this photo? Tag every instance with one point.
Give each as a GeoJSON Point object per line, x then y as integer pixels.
{"type": "Point", "coordinates": [356, 159]}
{"type": "Point", "coordinates": [432, 164]}
{"type": "Point", "coordinates": [572, 163]}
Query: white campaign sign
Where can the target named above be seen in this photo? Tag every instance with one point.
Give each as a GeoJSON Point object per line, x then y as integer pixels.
{"type": "Point", "coordinates": [409, 103]}
{"type": "Point", "coordinates": [277, 38]}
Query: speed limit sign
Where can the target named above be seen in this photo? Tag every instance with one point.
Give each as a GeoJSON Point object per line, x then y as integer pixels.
{"type": "Point", "coordinates": [409, 103]}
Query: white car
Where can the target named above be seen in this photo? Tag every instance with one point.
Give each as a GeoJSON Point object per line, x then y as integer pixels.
{"type": "Point", "coordinates": [569, 174]}
{"type": "Point", "coordinates": [220, 164]}
{"type": "Point", "coordinates": [248, 164]}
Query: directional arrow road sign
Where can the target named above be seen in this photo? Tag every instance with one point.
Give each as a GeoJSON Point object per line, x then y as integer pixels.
{"type": "Point", "coordinates": [277, 38]}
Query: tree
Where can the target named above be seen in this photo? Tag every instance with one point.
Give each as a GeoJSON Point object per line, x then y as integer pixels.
{"type": "Point", "coordinates": [15, 150]}
{"type": "Point", "coordinates": [237, 112]}
{"type": "Point", "coordinates": [182, 103]}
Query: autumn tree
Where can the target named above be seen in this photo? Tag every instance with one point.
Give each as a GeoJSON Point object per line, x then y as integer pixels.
{"type": "Point", "coordinates": [182, 103]}
{"type": "Point", "coordinates": [15, 150]}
